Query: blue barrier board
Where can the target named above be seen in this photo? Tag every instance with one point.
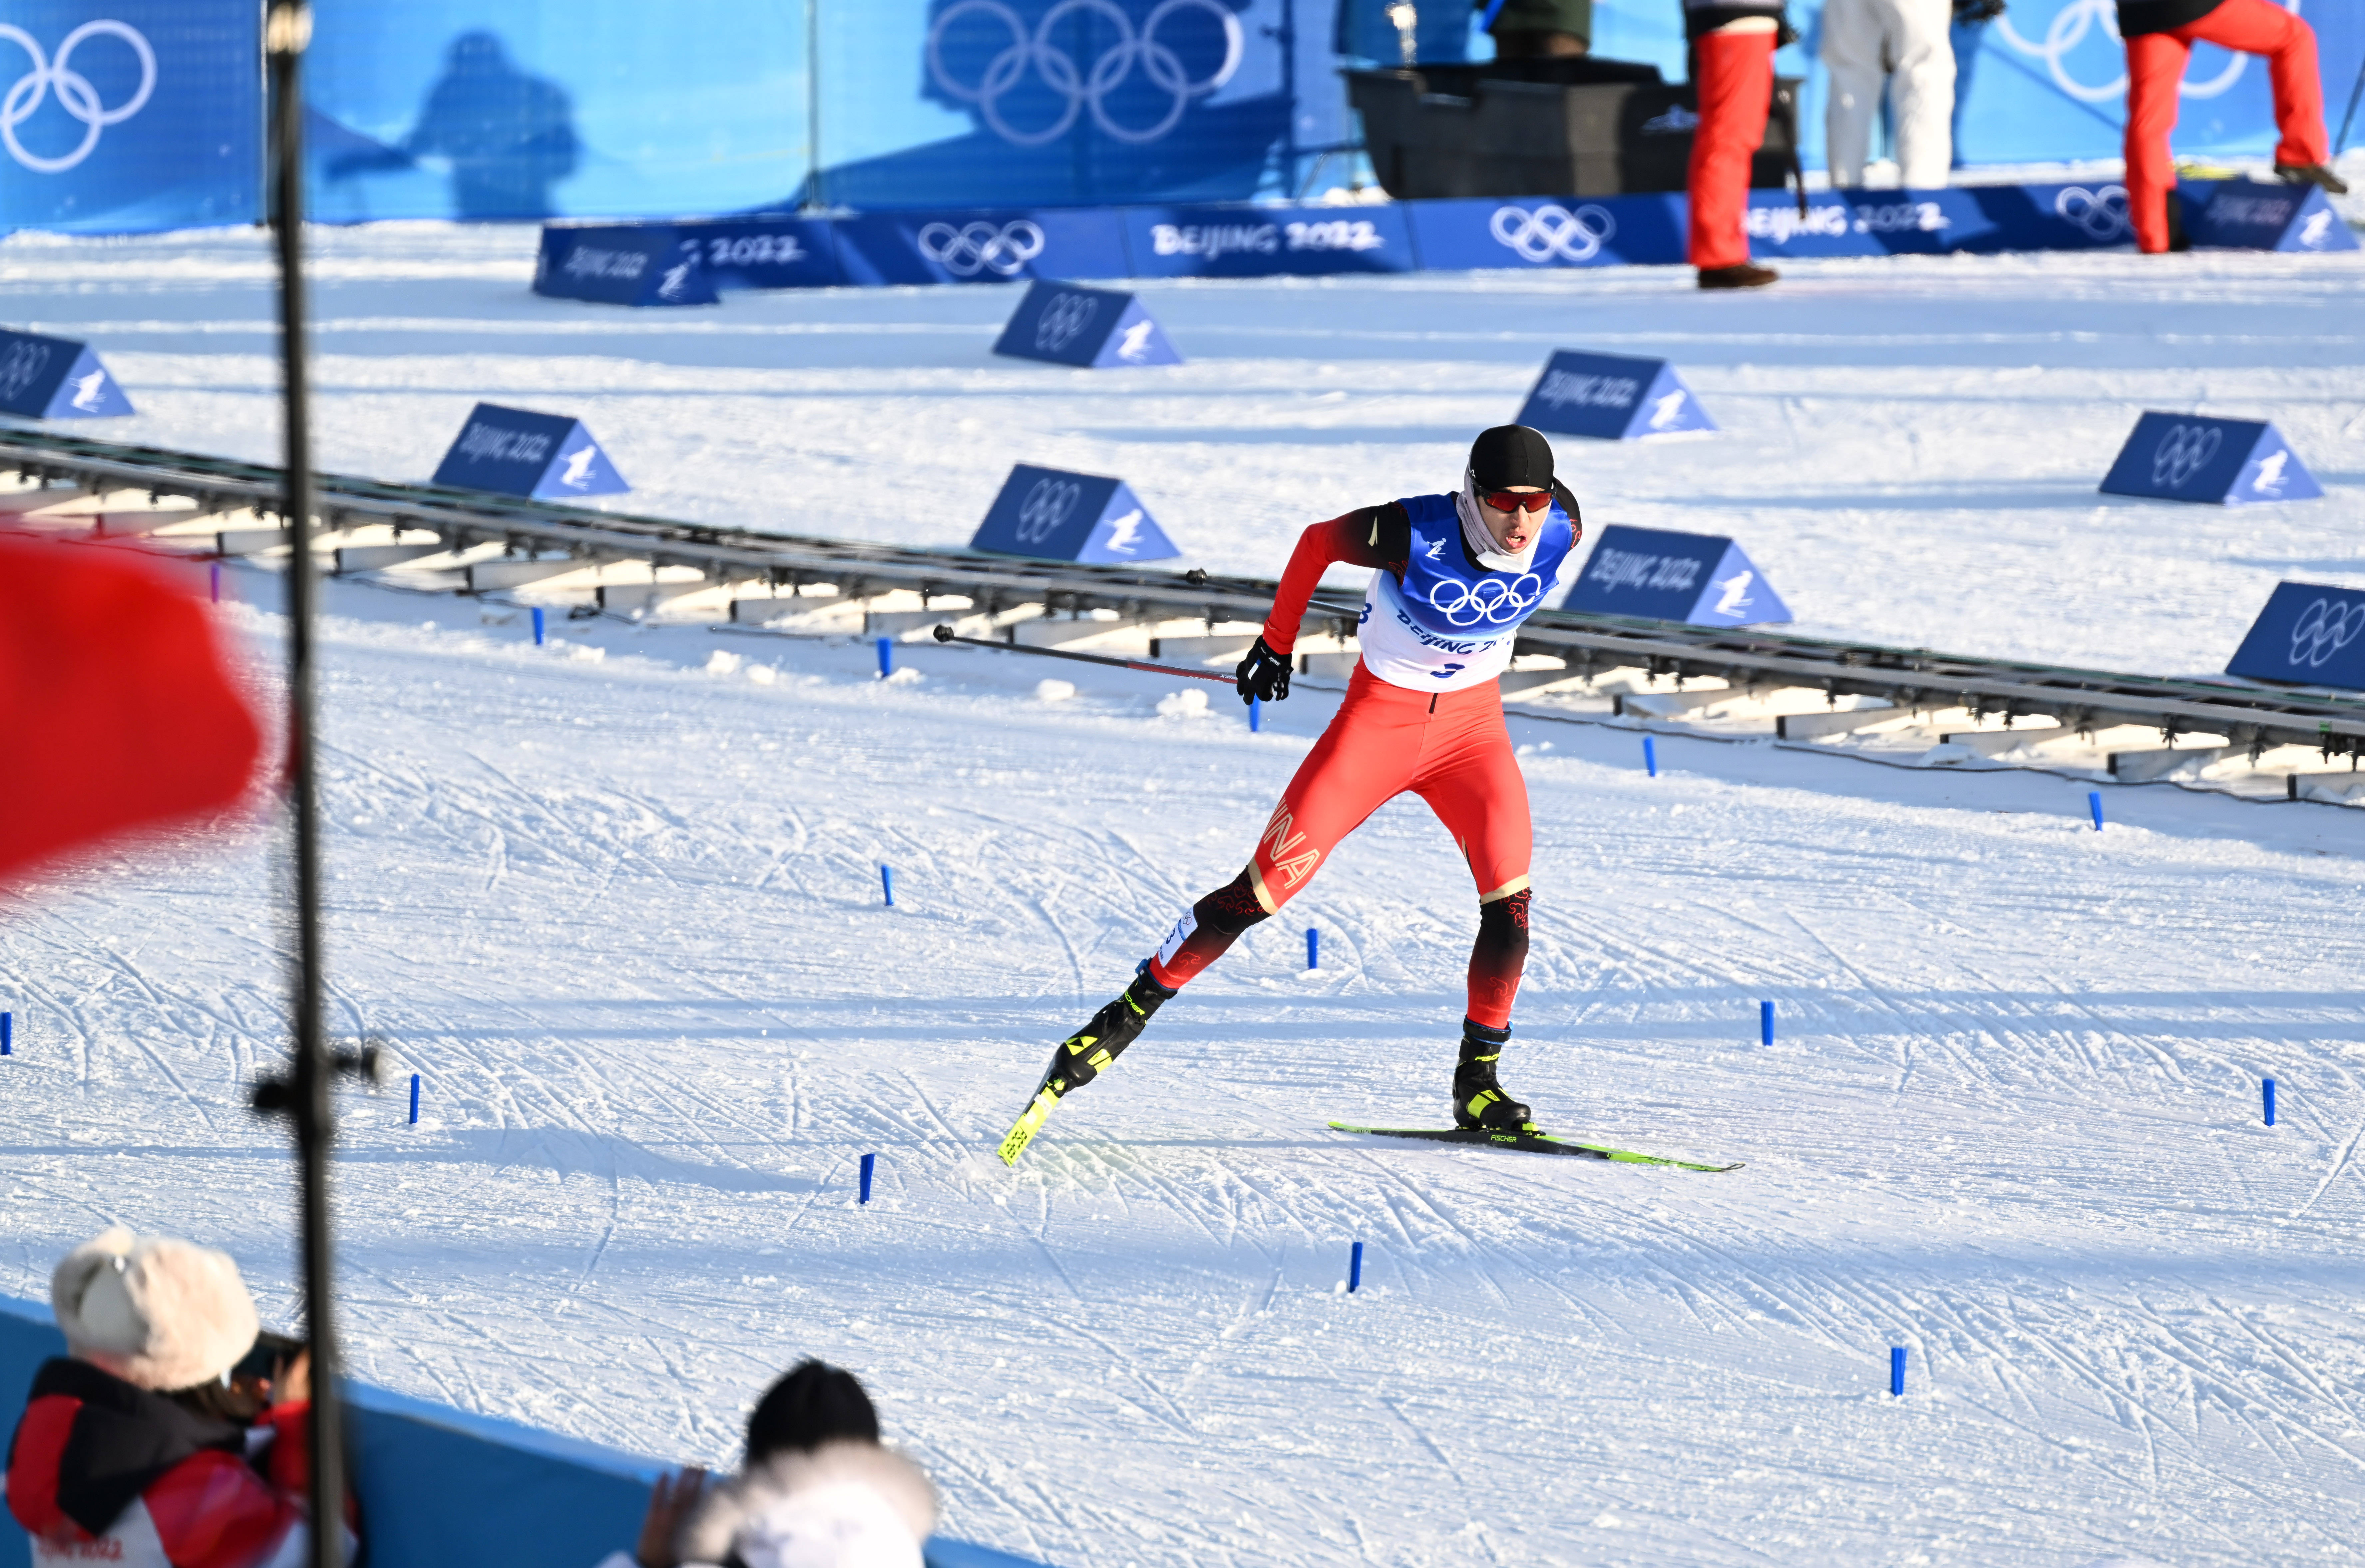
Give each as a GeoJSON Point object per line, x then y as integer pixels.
{"type": "Point", "coordinates": [1245, 239]}
{"type": "Point", "coordinates": [1613, 398]}
{"type": "Point", "coordinates": [1548, 231]}
{"type": "Point", "coordinates": [767, 252]}
{"type": "Point", "coordinates": [1660, 574]}
{"type": "Point", "coordinates": [2192, 457]}
{"type": "Point", "coordinates": [1090, 328]}
{"type": "Point", "coordinates": [2308, 633]}
{"type": "Point", "coordinates": [513, 452]}
{"type": "Point", "coordinates": [443, 1488]}
{"type": "Point", "coordinates": [621, 263]}
{"type": "Point", "coordinates": [1262, 242]}
{"type": "Point", "coordinates": [2250, 215]}
{"type": "Point", "coordinates": [980, 246]}
{"type": "Point", "coordinates": [55, 378]}
{"type": "Point", "coordinates": [1052, 515]}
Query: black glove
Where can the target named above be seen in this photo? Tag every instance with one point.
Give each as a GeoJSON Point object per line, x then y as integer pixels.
{"type": "Point", "coordinates": [1263, 676]}
{"type": "Point", "coordinates": [1978, 10]}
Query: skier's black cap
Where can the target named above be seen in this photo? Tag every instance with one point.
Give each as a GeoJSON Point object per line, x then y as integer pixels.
{"type": "Point", "coordinates": [1509, 455]}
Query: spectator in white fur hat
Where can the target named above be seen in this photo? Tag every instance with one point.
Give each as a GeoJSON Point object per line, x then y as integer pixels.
{"type": "Point", "coordinates": [818, 1490]}
{"type": "Point", "coordinates": [135, 1448]}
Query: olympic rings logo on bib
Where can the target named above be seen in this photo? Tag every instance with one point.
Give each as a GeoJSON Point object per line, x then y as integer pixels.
{"type": "Point", "coordinates": [1489, 600]}
{"type": "Point", "coordinates": [2182, 452]}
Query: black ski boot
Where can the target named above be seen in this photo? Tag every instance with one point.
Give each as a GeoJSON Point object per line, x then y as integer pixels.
{"type": "Point", "coordinates": [1079, 1059]}
{"type": "Point", "coordinates": [1478, 1099]}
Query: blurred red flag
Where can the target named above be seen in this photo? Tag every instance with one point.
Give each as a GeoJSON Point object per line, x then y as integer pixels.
{"type": "Point", "coordinates": [118, 710]}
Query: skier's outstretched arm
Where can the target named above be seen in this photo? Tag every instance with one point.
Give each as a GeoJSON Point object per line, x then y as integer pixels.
{"type": "Point", "coordinates": [1377, 536]}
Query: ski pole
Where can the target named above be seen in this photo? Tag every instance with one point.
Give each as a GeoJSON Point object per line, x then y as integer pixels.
{"type": "Point", "coordinates": [2340, 145]}
{"type": "Point", "coordinates": [945, 635]}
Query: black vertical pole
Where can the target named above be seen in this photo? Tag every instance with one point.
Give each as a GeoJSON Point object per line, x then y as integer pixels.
{"type": "Point", "coordinates": [2347, 119]}
{"type": "Point", "coordinates": [287, 27]}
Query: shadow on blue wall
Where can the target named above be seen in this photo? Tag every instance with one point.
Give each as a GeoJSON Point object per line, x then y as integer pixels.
{"type": "Point", "coordinates": [507, 136]}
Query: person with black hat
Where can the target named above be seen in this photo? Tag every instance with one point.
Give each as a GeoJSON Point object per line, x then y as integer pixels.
{"type": "Point", "coordinates": [818, 1490]}
{"type": "Point", "coordinates": [1453, 575]}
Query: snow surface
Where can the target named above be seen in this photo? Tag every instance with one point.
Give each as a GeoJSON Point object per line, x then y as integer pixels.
{"type": "Point", "coordinates": [1911, 453]}
{"type": "Point", "coordinates": [616, 899]}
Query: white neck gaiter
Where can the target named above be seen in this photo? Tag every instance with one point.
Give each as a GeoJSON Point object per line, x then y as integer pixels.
{"type": "Point", "coordinates": [1489, 554]}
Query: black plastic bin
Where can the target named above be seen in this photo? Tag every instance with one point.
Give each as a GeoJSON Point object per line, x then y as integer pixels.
{"type": "Point", "coordinates": [1580, 126]}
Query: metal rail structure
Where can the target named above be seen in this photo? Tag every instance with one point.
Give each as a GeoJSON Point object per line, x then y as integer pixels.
{"type": "Point", "coordinates": [2248, 717]}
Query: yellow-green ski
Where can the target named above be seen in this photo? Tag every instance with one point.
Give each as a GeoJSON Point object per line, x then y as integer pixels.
{"type": "Point", "coordinates": [1021, 1131]}
{"type": "Point", "coordinates": [1532, 1142]}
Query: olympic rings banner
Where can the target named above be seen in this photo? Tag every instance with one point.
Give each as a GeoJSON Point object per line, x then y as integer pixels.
{"type": "Point", "coordinates": [2047, 81]}
{"type": "Point", "coordinates": [2308, 633]}
{"type": "Point", "coordinates": [125, 115]}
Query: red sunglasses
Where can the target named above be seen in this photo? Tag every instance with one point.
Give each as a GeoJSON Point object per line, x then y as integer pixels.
{"type": "Point", "coordinates": [1512, 501]}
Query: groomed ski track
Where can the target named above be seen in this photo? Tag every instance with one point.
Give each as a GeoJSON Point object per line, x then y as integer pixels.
{"type": "Point", "coordinates": [2010, 1121]}
{"type": "Point", "coordinates": [623, 915]}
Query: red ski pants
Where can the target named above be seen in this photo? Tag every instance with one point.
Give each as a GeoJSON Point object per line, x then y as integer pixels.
{"type": "Point", "coordinates": [1734, 72]}
{"type": "Point", "coordinates": [2156, 66]}
{"type": "Point", "coordinates": [1449, 748]}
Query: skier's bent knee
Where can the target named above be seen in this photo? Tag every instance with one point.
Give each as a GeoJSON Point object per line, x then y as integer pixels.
{"type": "Point", "coordinates": [1206, 931]}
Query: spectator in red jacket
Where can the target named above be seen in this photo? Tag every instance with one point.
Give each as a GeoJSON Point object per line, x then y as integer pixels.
{"type": "Point", "coordinates": [1733, 45]}
{"type": "Point", "coordinates": [135, 1450]}
{"type": "Point", "coordinates": [2160, 35]}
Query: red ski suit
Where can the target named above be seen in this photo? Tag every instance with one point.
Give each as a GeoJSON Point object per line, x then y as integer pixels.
{"type": "Point", "coordinates": [1449, 747]}
{"type": "Point", "coordinates": [2155, 64]}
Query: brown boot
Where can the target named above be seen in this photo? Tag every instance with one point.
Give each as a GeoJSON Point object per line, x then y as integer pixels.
{"type": "Point", "coordinates": [2311, 175]}
{"type": "Point", "coordinates": [1747, 275]}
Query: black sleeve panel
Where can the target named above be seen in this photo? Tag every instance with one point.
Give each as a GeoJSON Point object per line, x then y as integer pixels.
{"type": "Point", "coordinates": [1568, 504]}
{"type": "Point", "coordinates": [1383, 536]}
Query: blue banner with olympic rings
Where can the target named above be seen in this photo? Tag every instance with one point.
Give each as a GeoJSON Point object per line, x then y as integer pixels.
{"type": "Point", "coordinates": [125, 115]}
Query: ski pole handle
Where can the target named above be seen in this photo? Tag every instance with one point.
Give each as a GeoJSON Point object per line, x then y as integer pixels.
{"type": "Point", "coordinates": [945, 635]}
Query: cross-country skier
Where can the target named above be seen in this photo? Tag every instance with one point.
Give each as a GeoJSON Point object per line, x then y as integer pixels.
{"type": "Point", "coordinates": [1453, 575]}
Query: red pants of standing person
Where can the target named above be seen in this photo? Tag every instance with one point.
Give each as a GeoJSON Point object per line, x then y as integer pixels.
{"type": "Point", "coordinates": [1449, 748]}
{"type": "Point", "coordinates": [1734, 74]}
{"type": "Point", "coordinates": [2156, 67]}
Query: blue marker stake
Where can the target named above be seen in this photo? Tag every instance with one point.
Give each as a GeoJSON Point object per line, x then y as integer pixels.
{"type": "Point", "coordinates": [2268, 1087]}
{"type": "Point", "coordinates": [214, 574]}
{"type": "Point", "coordinates": [1897, 1370]}
{"type": "Point", "coordinates": [886, 657]}
{"type": "Point", "coordinates": [869, 1162]}
{"type": "Point", "coordinates": [2094, 804]}
{"type": "Point", "coordinates": [1256, 714]}
{"type": "Point", "coordinates": [1765, 1022]}
{"type": "Point", "coordinates": [537, 626]}
{"type": "Point", "coordinates": [414, 1099]}
{"type": "Point", "coordinates": [887, 884]}
{"type": "Point", "coordinates": [7, 1034]}
{"type": "Point", "coordinates": [1355, 1269]}
{"type": "Point", "coordinates": [1313, 948]}
{"type": "Point", "coordinates": [1650, 756]}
